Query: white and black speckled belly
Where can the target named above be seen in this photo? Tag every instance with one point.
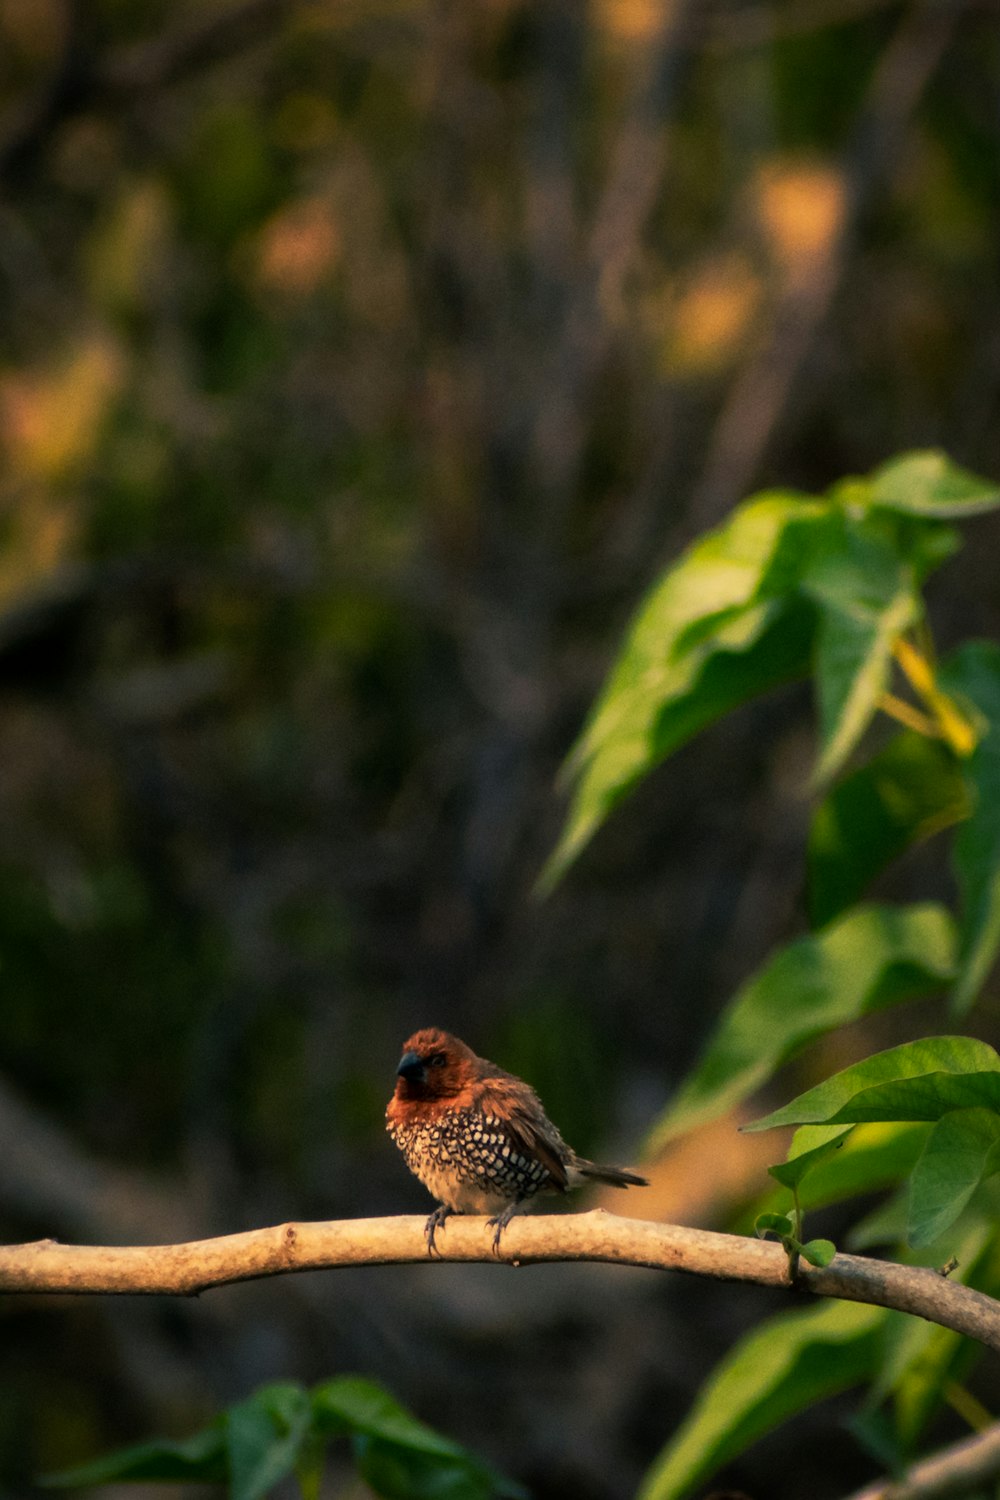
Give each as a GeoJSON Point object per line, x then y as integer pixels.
{"type": "Point", "coordinates": [468, 1161]}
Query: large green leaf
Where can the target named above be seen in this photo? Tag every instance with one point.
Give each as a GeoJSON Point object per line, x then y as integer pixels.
{"type": "Point", "coordinates": [265, 1435]}
{"type": "Point", "coordinates": [722, 625]}
{"type": "Point", "coordinates": [807, 1154]}
{"type": "Point", "coordinates": [869, 1159]}
{"type": "Point", "coordinates": [917, 1081]}
{"type": "Point", "coordinates": [885, 1224]}
{"type": "Point", "coordinates": [785, 1365]}
{"type": "Point", "coordinates": [927, 483]}
{"type": "Point", "coordinates": [866, 593]}
{"type": "Point", "coordinates": [873, 1157]}
{"type": "Point", "coordinates": [962, 1149]}
{"type": "Point", "coordinates": [974, 671]}
{"type": "Point", "coordinates": [872, 957]}
{"type": "Point", "coordinates": [909, 791]}
{"type": "Point", "coordinates": [730, 619]}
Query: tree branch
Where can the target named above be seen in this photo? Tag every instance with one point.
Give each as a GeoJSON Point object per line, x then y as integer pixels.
{"type": "Point", "coordinates": [187, 1269]}
{"type": "Point", "coordinates": [958, 1470]}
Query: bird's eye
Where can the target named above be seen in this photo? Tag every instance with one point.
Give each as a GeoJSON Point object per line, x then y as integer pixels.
{"type": "Point", "coordinates": [438, 1060]}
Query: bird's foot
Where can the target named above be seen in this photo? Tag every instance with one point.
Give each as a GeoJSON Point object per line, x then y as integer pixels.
{"type": "Point", "coordinates": [434, 1222]}
{"type": "Point", "coordinates": [499, 1223]}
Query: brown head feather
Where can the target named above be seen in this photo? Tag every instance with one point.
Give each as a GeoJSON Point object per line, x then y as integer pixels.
{"type": "Point", "coordinates": [447, 1068]}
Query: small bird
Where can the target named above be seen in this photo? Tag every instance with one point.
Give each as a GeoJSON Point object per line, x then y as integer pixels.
{"type": "Point", "coordinates": [477, 1137]}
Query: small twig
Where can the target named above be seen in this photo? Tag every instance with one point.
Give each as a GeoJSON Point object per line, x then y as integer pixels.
{"type": "Point", "coordinates": [194, 44]}
{"type": "Point", "coordinates": [80, 76]}
{"type": "Point", "coordinates": [185, 1270]}
{"type": "Point", "coordinates": [763, 25]}
{"type": "Point", "coordinates": [958, 1470]}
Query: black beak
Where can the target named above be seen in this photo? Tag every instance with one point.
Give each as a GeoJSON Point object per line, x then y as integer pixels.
{"type": "Point", "coordinates": [411, 1068]}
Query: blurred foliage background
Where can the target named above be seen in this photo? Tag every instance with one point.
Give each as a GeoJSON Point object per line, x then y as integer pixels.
{"type": "Point", "coordinates": [360, 364]}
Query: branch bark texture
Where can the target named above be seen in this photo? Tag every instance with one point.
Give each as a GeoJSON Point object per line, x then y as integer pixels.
{"type": "Point", "coordinates": [187, 1269]}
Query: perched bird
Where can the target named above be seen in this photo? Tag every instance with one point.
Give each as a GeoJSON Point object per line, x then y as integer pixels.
{"type": "Point", "coordinates": [477, 1137]}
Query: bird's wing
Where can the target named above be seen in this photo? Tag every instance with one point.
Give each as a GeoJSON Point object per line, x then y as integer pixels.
{"type": "Point", "coordinates": [531, 1132]}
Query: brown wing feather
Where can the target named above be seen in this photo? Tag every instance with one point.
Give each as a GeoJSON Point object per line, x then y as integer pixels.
{"type": "Point", "coordinates": [531, 1131]}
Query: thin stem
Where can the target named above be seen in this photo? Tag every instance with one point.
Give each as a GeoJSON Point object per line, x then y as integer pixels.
{"type": "Point", "coordinates": [967, 1406]}
{"type": "Point", "coordinates": [905, 713]}
{"type": "Point", "coordinates": [952, 724]}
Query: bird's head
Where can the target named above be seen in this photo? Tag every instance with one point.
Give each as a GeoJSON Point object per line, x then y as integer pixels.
{"type": "Point", "coordinates": [434, 1065]}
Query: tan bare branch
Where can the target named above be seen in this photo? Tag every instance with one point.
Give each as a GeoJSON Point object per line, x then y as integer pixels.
{"type": "Point", "coordinates": [187, 1269]}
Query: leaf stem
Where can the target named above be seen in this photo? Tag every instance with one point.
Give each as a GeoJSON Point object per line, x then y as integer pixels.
{"type": "Point", "coordinates": [906, 713]}
{"type": "Point", "coordinates": [951, 723]}
{"type": "Point", "coordinates": [967, 1406]}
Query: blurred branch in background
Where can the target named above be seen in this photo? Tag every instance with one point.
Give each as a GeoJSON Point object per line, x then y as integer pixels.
{"type": "Point", "coordinates": [82, 77]}
{"type": "Point", "coordinates": [760, 394]}
{"type": "Point", "coordinates": [46, 1177]}
{"type": "Point", "coordinates": [962, 1469]}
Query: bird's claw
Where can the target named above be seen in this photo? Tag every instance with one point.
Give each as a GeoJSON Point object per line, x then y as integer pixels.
{"type": "Point", "coordinates": [499, 1223]}
{"type": "Point", "coordinates": [434, 1222]}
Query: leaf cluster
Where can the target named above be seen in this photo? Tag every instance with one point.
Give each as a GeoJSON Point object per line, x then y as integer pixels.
{"type": "Point", "coordinates": [831, 587]}
{"type": "Point", "coordinates": [284, 1429]}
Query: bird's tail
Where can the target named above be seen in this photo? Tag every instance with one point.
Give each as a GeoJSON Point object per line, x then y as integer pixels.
{"type": "Point", "coordinates": [616, 1176]}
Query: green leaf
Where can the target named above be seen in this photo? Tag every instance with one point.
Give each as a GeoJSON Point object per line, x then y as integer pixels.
{"type": "Point", "coordinates": [873, 1431]}
{"type": "Point", "coordinates": [398, 1455]}
{"type": "Point", "coordinates": [353, 1404]}
{"type": "Point", "coordinates": [909, 791]}
{"type": "Point", "coordinates": [201, 1457]}
{"type": "Point", "coordinates": [872, 957]}
{"type": "Point", "coordinates": [867, 597]}
{"type": "Point", "coordinates": [818, 1252]}
{"type": "Point", "coordinates": [974, 671]}
{"type": "Point", "coordinates": [917, 1081]}
{"type": "Point", "coordinates": [927, 483]}
{"type": "Point", "coordinates": [763, 648]}
{"type": "Point", "coordinates": [264, 1438]}
{"type": "Point", "coordinates": [801, 1162]}
{"type": "Point", "coordinates": [961, 1150]}
{"type": "Point", "coordinates": [939, 1360]}
{"type": "Point", "coordinates": [779, 1224]}
{"type": "Point", "coordinates": [785, 1365]}
{"type": "Point", "coordinates": [871, 1158]}
{"type": "Point", "coordinates": [720, 626]}
{"type": "Point", "coordinates": [884, 1225]}
{"type": "Point", "coordinates": [407, 1474]}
